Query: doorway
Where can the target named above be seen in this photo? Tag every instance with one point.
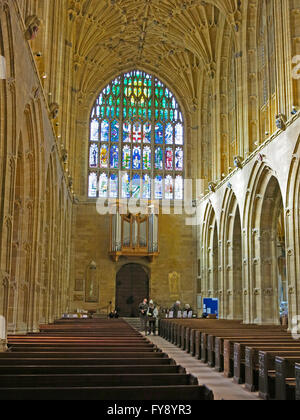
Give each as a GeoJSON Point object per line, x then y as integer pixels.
{"type": "Point", "coordinates": [132, 287]}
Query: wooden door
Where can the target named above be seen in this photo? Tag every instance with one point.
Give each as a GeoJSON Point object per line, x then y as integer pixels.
{"type": "Point", "coordinates": [132, 288]}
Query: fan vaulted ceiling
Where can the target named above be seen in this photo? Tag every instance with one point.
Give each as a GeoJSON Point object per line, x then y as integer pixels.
{"type": "Point", "coordinates": [173, 38]}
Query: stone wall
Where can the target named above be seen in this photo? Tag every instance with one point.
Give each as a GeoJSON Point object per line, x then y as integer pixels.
{"type": "Point", "coordinates": [90, 243]}
{"type": "Point", "coordinates": [35, 201]}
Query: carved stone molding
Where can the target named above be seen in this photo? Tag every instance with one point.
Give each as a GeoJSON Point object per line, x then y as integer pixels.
{"type": "Point", "coordinates": [291, 290]}
{"type": "Point", "coordinates": [11, 83]}
{"type": "Point", "coordinates": [268, 292]}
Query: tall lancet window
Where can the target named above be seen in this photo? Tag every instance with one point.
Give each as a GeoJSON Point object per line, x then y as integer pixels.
{"type": "Point", "coordinates": [136, 140]}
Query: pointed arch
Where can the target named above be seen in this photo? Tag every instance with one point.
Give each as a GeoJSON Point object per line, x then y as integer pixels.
{"type": "Point", "coordinates": [264, 211]}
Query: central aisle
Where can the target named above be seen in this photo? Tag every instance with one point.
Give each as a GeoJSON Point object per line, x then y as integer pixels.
{"type": "Point", "coordinates": [223, 388]}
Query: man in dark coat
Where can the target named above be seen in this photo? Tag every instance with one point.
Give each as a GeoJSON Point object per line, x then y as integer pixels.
{"type": "Point", "coordinates": [143, 309]}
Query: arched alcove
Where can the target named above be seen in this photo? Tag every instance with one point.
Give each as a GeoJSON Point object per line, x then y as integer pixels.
{"type": "Point", "coordinates": [269, 250]}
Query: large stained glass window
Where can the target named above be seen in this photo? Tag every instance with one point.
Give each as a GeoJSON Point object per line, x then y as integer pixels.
{"type": "Point", "coordinates": [136, 141]}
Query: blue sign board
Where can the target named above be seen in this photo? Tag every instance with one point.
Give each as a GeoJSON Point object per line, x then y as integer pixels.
{"type": "Point", "coordinates": [211, 306]}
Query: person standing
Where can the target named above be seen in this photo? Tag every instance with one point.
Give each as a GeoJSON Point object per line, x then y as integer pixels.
{"type": "Point", "coordinates": [143, 309]}
{"type": "Point", "coordinates": [152, 317]}
{"type": "Point", "coordinates": [176, 308]}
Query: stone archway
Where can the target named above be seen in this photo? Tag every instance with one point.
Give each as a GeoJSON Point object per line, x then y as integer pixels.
{"type": "Point", "coordinates": [268, 263]}
{"type": "Point", "coordinates": [132, 286]}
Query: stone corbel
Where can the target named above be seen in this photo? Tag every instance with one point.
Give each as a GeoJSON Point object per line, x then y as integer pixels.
{"type": "Point", "coordinates": [229, 292]}
{"type": "Point", "coordinates": [32, 27]}
{"type": "Point", "coordinates": [268, 292]}
{"type": "Point", "coordinates": [11, 84]}
{"type": "Point", "coordinates": [291, 290]}
{"type": "Point", "coordinates": [280, 120]}
{"type": "Point", "coordinates": [54, 109]}
{"type": "Point", "coordinates": [289, 212]}
{"type": "Point", "coordinates": [256, 292]}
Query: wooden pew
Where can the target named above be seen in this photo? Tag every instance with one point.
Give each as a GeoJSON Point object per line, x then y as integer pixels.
{"type": "Point", "coordinates": [80, 355]}
{"type": "Point", "coordinates": [234, 355]}
{"type": "Point", "coordinates": [95, 380]}
{"type": "Point", "coordinates": [89, 369]}
{"type": "Point", "coordinates": [139, 393]}
{"type": "Point", "coordinates": [92, 361]}
{"type": "Point", "coordinates": [285, 379]}
{"type": "Point", "coordinates": [267, 371]}
{"type": "Point", "coordinates": [246, 358]}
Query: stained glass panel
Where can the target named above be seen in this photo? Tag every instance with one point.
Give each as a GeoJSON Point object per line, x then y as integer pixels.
{"type": "Point", "coordinates": [104, 156]}
{"type": "Point", "coordinates": [114, 157]}
{"type": "Point", "coordinates": [147, 158]}
{"type": "Point", "coordinates": [169, 159]}
{"type": "Point", "coordinates": [158, 187]}
{"type": "Point", "coordinates": [179, 159]}
{"type": "Point", "coordinates": [169, 134]}
{"type": "Point", "coordinates": [136, 158]}
{"type": "Point", "coordinates": [159, 158]}
{"type": "Point", "coordinates": [169, 188]}
{"type": "Point", "coordinates": [103, 185]}
{"type": "Point", "coordinates": [159, 133]}
{"type": "Point", "coordinates": [126, 132]}
{"type": "Point", "coordinates": [94, 130]}
{"type": "Point", "coordinates": [179, 134]}
{"type": "Point", "coordinates": [113, 186]}
{"type": "Point", "coordinates": [93, 185]}
{"type": "Point", "coordinates": [137, 133]}
{"type": "Point", "coordinates": [147, 133]}
{"type": "Point", "coordinates": [93, 156]}
{"type": "Point", "coordinates": [136, 186]}
{"type": "Point", "coordinates": [178, 188]}
{"type": "Point", "coordinates": [146, 187]}
{"type": "Point", "coordinates": [105, 131]}
{"type": "Point", "coordinates": [126, 193]}
{"type": "Point", "coordinates": [126, 157]}
{"type": "Point", "coordinates": [115, 127]}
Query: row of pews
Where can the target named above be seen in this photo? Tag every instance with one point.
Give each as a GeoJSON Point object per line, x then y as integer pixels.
{"type": "Point", "coordinates": [92, 360]}
{"type": "Point", "coordinates": [264, 358]}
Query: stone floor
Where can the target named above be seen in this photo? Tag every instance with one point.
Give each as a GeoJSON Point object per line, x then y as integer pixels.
{"type": "Point", "coordinates": [223, 388]}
